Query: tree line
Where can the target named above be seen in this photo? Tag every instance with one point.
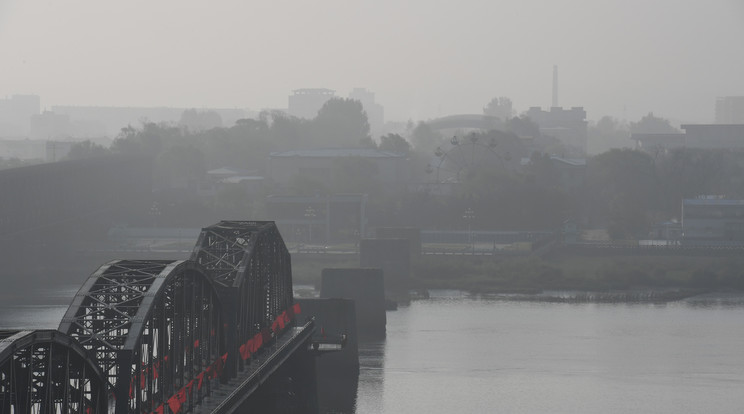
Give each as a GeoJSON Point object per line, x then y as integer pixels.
{"type": "Point", "coordinates": [623, 190]}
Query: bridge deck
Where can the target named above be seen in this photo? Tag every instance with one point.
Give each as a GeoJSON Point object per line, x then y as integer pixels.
{"type": "Point", "coordinates": [228, 397]}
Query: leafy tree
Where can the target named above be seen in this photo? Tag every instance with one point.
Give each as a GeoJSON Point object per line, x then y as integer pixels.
{"type": "Point", "coordinates": [180, 166]}
{"type": "Point", "coordinates": [425, 139]}
{"type": "Point", "coordinates": [195, 120]}
{"type": "Point", "coordinates": [606, 134]}
{"type": "Point", "coordinates": [287, 131]}
{"type": "Point", "coordinates": [523, 126]}
{"type": "Point", "coordinates": [150, 139]}
{"type": "Point", "coordinates": [86, 149]}
{"type": "Point", "coordinates": [541, 171]}
{"type": "Point", "coordinates": [690, 172]}
{"type": "Point", "coordinates": [341, 123]}
{"type": "Point", "coordinates": [500, 107]}
{"type": "Point", "coordinates": [623, 190]}
{"type": "Point", "coordinates": [394, 143]}
{"type": "Point", "coordinates": [368, 142]}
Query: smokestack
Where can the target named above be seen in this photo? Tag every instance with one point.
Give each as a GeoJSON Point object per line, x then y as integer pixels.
{"type": "Point", "coordinates": [555, 86]}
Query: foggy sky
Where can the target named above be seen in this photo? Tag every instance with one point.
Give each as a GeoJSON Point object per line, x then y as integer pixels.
{"type": "Point", "coordinates": [422, 58]}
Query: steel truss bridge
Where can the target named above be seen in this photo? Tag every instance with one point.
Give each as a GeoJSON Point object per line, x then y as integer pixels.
{"type": "Point", "coordinates": [164, 336]}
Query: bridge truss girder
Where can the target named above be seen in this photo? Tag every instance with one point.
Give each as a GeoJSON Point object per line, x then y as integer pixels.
{"type": "Point", "coordinates": [48, 372]}
{"type": "Point", "coordinates": [251, 268]}
{"type": "Point", "coordinates": [154, 326]}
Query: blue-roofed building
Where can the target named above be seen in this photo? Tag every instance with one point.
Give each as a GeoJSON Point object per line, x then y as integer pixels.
{"type": "Point", "coordinates": [713, 218]}
{"type": "Point", "coordinates": [392, 167]}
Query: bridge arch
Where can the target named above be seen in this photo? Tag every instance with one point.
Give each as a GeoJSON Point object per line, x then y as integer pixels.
{"type": "Point", "coordinates": [46, 371]}
{"type": "Point", "coordinates": [156, 329]}
{"type": "Point", "coordinates": [251, 268]}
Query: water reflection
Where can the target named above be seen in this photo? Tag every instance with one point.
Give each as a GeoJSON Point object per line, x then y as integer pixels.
{"type": "Point", "coordinates": [371, 378]}
{"type": "Point", "coordinates": [458, 353]}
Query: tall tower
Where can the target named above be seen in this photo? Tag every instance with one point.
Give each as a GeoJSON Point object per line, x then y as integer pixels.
{"type": "Point", "coordinates": [555, 86]}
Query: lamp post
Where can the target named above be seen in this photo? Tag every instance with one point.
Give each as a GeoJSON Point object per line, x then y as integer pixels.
{"type": "Point", "coordinates": [310, 215]}
{"type": "Point", "coordinates": [469, 215]}
{"type": "Point", "coordinates": [155, 213]}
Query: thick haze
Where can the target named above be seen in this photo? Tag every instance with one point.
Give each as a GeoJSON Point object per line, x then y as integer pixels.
{"type": "Point", "coordinates": [421, 58]}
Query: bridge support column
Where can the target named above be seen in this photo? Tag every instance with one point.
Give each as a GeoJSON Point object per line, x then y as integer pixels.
{"type": "Point", "coordinates": [124, 380]}
{"type": "Point", "coordinates": [337, 372]}
{"type": "Point", "coordinates": [231, 310]}
{"type": "Point", "coordinates": [393, 256]}
{"type": "Point", "coordinates": [366, 288]}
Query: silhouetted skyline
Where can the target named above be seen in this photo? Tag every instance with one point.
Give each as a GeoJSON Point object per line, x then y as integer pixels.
{"type": "Point", "coordinates": [421, 59]}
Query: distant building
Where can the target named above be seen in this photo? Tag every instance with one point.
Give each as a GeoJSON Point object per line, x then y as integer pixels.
{"type": "Point", "coordinates": [49, 125]}
{"type": "Point", "coordinates": [667, 230]}
{"type": "Point", "coordinates": [318, 164]}
{"type": "Point", "coordinates": [713, 219]}
{"type": "Point", "coordinates": [714, 136]}
{"type": "Point", "coordinates": [375, 112]}
{"type": "Point", "coordinates": [22, 149]}
{"type": "Point", "coordinates": [568, 125]}
{"type": "Point", "coordinates": [708, 136]}
{"type": "Point", "coordinates": [219, 178]}
{"type": "Point", "coordinates": [320, 219]}
{"type": "Point", "coordinates": [305, 103]}
{"type": "Point", "coordinates": [16, 113]}
{"type": "Point", "coordinates": [111, 119]}
{"type": "Point", "coordinates": [465, 122]}
{"type": "Point", "coordinates": [730, 110]}
{"type": "Point", "coordinates": [571, 172]}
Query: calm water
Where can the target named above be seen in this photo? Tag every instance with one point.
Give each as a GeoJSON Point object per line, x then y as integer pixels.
{"type": "Point", "coordinates": [455, 354]}
{"type": "Point", "coordinates": [459, 355]}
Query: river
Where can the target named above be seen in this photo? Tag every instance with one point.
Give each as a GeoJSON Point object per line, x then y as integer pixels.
{"type": "Point", "coordinates": [454, 353]}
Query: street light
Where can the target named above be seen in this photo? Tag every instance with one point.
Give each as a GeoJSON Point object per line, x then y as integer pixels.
{"type": "Point", "coordinates": [155, 213]}
{"type": "Point", "coordinates": [310, 214]}
{"type": "Point", "coordinates": [469, 215]}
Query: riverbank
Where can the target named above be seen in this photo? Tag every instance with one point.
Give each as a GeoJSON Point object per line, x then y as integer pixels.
{"type": "Point", "coordinates": [530, 275]}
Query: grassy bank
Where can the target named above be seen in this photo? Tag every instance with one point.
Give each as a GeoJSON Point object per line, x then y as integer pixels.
{"type": "Point", "coordinates": [531, 274]}
{"type": "Point", "coordinates": [306, 269]}
{"type": "Point", "coordinates": [580, 273]}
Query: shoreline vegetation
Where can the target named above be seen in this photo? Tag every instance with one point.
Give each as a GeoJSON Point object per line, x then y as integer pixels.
{"type": "Point", "coordinates": [605, 279]}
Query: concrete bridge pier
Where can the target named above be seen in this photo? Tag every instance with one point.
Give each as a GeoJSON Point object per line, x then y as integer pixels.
{"type": "Point", "coordinates": [366, 287]}
{"type": "Point", "coordinates": [337, 372]}
{"type": "Point", "coordinates": [393, 256]}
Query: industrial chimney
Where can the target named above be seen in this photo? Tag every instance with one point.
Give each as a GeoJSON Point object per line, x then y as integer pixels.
{"type": "Point", "coordinates": [555, 86]}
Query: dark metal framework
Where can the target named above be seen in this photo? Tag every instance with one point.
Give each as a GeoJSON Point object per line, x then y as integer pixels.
{"type": "Point", "coordinates": [251, 268]}
{"type": "Point", "coordinates": [153, 325]}
{"type": "Point", "coordinates": [47, 372]}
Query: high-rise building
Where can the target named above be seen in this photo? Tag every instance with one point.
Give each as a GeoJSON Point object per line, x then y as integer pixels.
{"type": "Point", "coordinates": [730, 110]}
{"type": "Point", "coordinates": [375, 112]}
{"type": "Point", "coordinates": [16, 113]}
{"type": "Point", "coordinates": [555, 87]}
{"type": "Point", "coordinates": [305, 103]}
{"type": "Point", "coordinates": [568, 125]}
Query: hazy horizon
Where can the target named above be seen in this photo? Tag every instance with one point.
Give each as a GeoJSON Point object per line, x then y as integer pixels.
{"type": "Point", "coordinates": [421, 59]}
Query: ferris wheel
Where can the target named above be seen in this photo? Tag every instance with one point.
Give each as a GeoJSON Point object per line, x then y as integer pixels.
{"type": "Point", "coordinates": [463, 157]}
